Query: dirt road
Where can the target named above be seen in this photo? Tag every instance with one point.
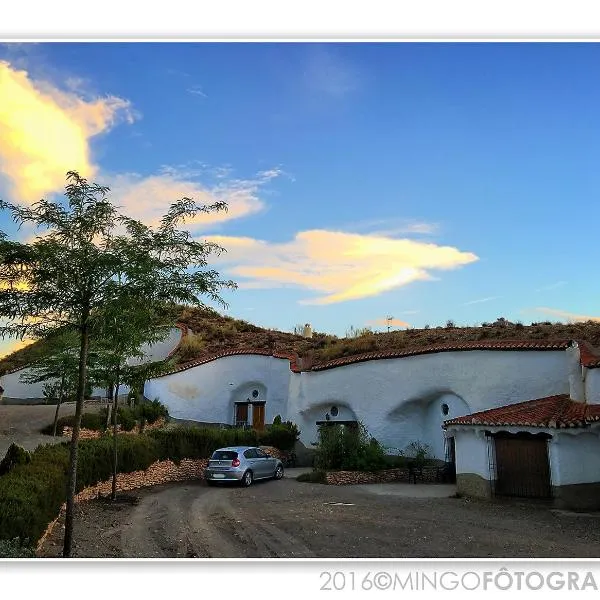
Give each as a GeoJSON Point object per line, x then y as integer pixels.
{"type": "Point", "coordinates": [293, 520]}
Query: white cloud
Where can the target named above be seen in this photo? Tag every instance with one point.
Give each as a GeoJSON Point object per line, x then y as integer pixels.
{"type": "Point", "coordinates": [338, 266]}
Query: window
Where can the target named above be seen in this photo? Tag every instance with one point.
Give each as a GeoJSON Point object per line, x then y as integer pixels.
{"type": "Point", "coordinates": [261, 454]}
{"type": "Point", "coordinates": [250, 453]}
{"type": "Point", "coordinates": [445, 409]}
{"type": "Point", "coordinates": [224, 455]}
{"type": "Point", "coordinates": [334, 411]}
{"type": "Point", "coordinates": [255, 393]}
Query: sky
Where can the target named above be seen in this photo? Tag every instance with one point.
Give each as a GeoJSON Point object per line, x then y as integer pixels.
{"type": "Point", "coordinates": [419, 181]}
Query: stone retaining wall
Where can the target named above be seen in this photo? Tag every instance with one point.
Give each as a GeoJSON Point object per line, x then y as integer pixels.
{"type": "Point", "coordinates": [429, 475]}
{"type": "Point", "coordinates": [160, 472]}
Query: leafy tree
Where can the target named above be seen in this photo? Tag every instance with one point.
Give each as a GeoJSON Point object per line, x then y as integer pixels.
{"type": "Point", "coordinates": [58, 369]}
{"type": "Point", "coordinates": [89, 257]}
{"type": "Point", "coordinates": [123, 330]}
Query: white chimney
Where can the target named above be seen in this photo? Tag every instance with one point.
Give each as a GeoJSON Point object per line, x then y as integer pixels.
{"type": "Point", "coordinates": [307, 333]}
{"type": "Point", "coordinates": [575, 370]}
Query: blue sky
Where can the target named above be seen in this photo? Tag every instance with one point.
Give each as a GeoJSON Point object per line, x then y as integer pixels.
{"type": "Point", "coordinates": [427, 181]}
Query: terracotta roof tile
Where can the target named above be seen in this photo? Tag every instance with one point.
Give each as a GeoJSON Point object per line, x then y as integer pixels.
{"type": "Point", "coordinates": [465, 346]}
{"type": "Point", "coordinates": [553, 411]}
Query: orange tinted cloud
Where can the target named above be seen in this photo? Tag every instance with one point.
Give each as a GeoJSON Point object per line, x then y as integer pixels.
{"type": "Point", "coordinates": [383, 322]}
{"type": "Point", "coordinates": [567, 316]}
{"type": "Point", "coordinates": [45, 132]}
{"type": "Point", "coordinates": [338, 266]}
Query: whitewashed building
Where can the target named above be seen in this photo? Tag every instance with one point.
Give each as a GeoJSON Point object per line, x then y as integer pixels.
{"type": "Point", "coordinates": [515, 417]}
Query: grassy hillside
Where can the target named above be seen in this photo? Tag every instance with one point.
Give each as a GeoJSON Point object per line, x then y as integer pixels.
{"type": "Point", "coordinates": [213, 333]}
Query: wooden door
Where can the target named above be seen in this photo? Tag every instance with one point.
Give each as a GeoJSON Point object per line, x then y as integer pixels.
{"type": "Point", "coordinates": [522, 467]}
{"type": "Point", "coordinates": [241, 415]}
{"type": "Point", "coordinates": [258, 416]}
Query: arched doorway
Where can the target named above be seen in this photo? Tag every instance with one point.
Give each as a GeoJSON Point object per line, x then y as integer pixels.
{"type": "Point", "coordinates": [249, 402]}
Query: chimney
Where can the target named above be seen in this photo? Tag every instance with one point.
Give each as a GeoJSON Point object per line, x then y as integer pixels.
{"type": "Point", "coordinates": [307, 333]}
{"type": "Point", "coordinates": [575, 371]}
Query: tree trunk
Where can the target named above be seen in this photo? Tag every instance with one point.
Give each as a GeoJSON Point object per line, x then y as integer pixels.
{"type": "Point", "coordinates": [72, 480]}
{"type": "Point", "coordinates": [60, 396]}
{"type": "Point", "coordinates": [114, 477]}
{"type": "Point", "coordinates": [111, 391]}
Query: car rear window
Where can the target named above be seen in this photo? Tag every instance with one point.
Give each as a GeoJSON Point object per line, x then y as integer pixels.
{"type": "Point", "coordinates": [224, 455]}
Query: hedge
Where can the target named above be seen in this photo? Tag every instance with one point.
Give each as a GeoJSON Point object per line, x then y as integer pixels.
{"type": "Point", "coordinates": [34, 489]}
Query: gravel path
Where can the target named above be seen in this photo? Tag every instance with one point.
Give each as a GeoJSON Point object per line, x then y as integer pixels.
{"type": "Point", "coordinates": [291, 519]}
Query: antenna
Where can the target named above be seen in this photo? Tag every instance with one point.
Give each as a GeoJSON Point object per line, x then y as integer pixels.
{"type": "Point", "coordinates": [389, 320]}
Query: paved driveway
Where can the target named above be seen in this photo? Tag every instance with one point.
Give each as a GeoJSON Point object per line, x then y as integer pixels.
{"type": "Point", "coordinates": [291, 519]}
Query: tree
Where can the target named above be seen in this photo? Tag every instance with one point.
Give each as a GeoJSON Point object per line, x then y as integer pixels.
{"type": "Point", "coordinates": [123, 330]}
{"type": "Point", "coordinates": [90, 256]}
{"type": "Point", "coordinates": [58, 369]}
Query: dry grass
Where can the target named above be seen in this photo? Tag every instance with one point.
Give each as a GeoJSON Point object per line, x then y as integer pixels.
{"type": "Point", "coordinates": [214, 333]}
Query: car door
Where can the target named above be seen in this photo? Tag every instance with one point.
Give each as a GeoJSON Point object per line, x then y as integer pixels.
{"type": "Point", "coordinates": [252, 461]}
{"type": "Point", "coordinates": [267, 463]}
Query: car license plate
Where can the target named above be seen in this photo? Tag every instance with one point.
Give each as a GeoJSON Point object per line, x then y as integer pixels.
{"type": "Point", "coordinates": [218, 476]}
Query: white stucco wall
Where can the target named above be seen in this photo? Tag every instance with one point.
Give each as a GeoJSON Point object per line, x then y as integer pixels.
{"type": "Point", "coordinates": [15, 388]}
{"type": "Point", "coordinates": [575, 457]}
{"type": "Point", "coordinates": [592, 386]}
{"type": "Point", "coordinates": [393, 396]}
{"type": "Point", "coordinates": [159, 350]}
{"type": "Point", "coordinates": [471, 448]}
{"type": "Point", "coordinates": [207, 393]}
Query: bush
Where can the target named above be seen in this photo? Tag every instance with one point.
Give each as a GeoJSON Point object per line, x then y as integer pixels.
{"type": "Point", "coordinates": [15, 455]}
{"type": "Point", "coordinates": [313, 477]}
{"type": "Point", "coordinates": [348, 448]}
{"type": "Point", "coordinates": [150, 412]}
{"type": "Point", "coordinates": [126, 417]}
{"type": "Point", "coordinates": [15, 549]}
{"type": "Point", "coordinates": [89, 420]}
{"type": "Point", "coordinates": [280, 435]}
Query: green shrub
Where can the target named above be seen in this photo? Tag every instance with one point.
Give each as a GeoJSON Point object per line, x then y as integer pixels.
{"type": "Point", "coordinates": [94, 420]}
{"type": "Point", "coordinates": [15, 549]}
{"type": "Point", "coordinates": [15, 455]}
{"type": "Point", "coordinates": [126, 417]}
{"type": "Point", "coordinates": [348, 448]}
{"type": "Point", "coordinates": [313, 477]}
{"type": "Point", "coordinates": [150, 412]}
{"type": "Point", "coordinates": [280, 435]}
{"type": "Point", "coordinates": [89, 420]}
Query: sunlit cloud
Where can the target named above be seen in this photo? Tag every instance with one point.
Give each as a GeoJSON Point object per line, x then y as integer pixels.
{"type": "Point", "coordinates": [147, 198]}
{"type": "Point", "coordinates": [383, 322]}
{"type": "Point", "coordinates": [567, 316]}
{"type": "Point", "coordinates": [338, 266]}
{"type": "Point", "coordinates": [45, 131]}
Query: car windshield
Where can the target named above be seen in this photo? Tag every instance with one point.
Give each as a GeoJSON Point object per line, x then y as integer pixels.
{"type": "Point", "coordinates": [224, 455]}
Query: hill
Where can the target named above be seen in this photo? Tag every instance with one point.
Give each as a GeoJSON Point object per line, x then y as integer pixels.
{"type": "Point", "coordinates": [210, 334]}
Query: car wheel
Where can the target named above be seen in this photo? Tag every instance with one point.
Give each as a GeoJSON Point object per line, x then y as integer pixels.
{"type": "Point", "coordinates": [247, 479]}
{"type": "Point", "coordinates": [279, 472]}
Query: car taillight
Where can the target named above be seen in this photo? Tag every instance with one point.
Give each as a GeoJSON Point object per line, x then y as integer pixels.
{"type": "Point", "coordinates": [235, 462]}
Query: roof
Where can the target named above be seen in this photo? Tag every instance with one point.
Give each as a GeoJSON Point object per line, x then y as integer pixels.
{"type": "Point", "coordinates": [464, 346]}
{"type": "Point", "coordinates": [588, 357]}
{"type": "Point", "coordinates": [553, 412]}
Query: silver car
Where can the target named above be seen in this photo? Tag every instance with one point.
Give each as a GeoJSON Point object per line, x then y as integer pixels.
{"type": "Point", "coordinates": [243, 464]}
